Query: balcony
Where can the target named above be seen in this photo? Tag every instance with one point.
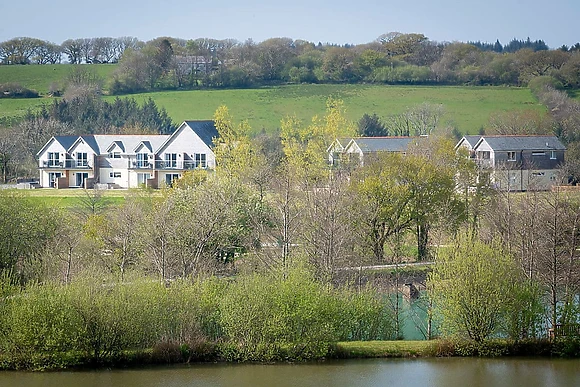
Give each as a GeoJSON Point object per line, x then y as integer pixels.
{"type": "Point", "coordinates": [177, 165]}
{"type": "Point", "coordinates": [484, 163]}
{"type": "Point", "coordinates": [140, 165]}
{"type": "Point", "coordinates": [66, 164]}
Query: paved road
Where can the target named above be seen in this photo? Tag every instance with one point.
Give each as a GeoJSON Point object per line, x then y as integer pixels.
{"type": "Point", "coordinates": [375, 267]}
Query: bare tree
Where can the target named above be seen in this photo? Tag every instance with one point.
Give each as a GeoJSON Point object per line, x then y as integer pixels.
{"type": "Point", "coordinates": [328, 226]}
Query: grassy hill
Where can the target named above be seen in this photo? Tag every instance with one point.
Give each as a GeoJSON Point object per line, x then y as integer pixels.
{"type": "Point", "coordinates": [40, 77]}
{"type": "Point", "coordinates": [467, 108]}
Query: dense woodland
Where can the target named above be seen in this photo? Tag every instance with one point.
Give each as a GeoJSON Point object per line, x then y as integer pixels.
{"type": "Point", "coordinates": [394, 58]}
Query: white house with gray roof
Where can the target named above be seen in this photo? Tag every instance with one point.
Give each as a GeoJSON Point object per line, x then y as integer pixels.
{"type": "Point", "coordinates": [363, 148]}
{"type": "Point", "coordinates": [468, 142]}
{"type": "Point", "coordinates": [126, 161]}
{"type": "Point", "coordinates": [520, 163]}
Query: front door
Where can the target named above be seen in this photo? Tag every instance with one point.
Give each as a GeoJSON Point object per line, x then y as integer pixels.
{"type": "Point", "coordinates": [142, 178]}
{"type": "Point", "coordinates": [81, 177]}
{"type": "Point", "coordinates": [170, 177]}
{"type": "Point", "coordinates": [52, 177]}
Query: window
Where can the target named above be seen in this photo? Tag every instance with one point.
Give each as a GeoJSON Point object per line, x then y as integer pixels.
{"type": "Point", "coordinates": [511, 156]}
{"type": "Point", "coordinates": [143, 177]}
{"type": "Point", "coordinates": [115, 175]}
{"type": "Point", "coordinates": [53, 160]}
{"type": "Point", "coordinates": [552, 155]}
{"type": "Point", "coordinates": [538, 173]}
{"type": "Point", "coordinates": [115, 155]}
{"type": "Point", "coordinates": [483, 155]}
{"type": "Point", "coordinates": [200, 160]}
{"type": "Point", "coordinates": [170, 178]}
{"type": "Point", "coordinates": [538, 153]}
{"type": "Point", "coordinates": [82, 160]}
{"type": "Point", "coordinates": [171, 160]}
{"type": "Point", "coordinates": [142, 160]}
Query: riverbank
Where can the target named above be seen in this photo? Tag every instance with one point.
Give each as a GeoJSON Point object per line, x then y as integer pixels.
{"type": "Point", "coordinates": [174, 355]}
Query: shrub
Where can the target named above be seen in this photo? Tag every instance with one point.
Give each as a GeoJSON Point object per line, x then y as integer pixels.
{"type": "Point", "coordinates": [15, 90]}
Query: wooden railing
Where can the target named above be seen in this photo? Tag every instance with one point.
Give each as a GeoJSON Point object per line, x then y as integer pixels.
{"type": "Point", "coordinates": [565, 330]}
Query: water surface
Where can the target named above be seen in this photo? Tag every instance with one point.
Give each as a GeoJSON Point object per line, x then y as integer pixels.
{"type": "Point", "coordinates": [454, 372]}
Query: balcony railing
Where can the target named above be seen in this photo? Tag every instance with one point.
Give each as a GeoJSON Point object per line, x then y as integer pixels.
{"type": "Point", "coordinates": [181, 165]}
{"type": "Point", "coordinates": [66, 164]}
{"type": "Point", "coordinates": [484, 163]}
{"type": "Point", "coordinates": [140, 165]}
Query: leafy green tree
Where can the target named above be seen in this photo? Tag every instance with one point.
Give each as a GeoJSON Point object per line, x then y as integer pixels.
{"type": "Point", "coordinates": [474, 285]}
{"type": "Point", "coordinates": [26, 229]}
{"type": "Point", "coordinates": [383, 202]}
{"type": "Point", "coordinates": [429, 170]}
{"type": "Point", "coordinates": [235, 156]}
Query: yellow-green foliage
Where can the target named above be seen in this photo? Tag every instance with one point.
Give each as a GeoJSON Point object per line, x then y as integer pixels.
{"type": "Point", "coordinates": [255, 317]}
{"type": "Point", "coordinates": [477, 287]}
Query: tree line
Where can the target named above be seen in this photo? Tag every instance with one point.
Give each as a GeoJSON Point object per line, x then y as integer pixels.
{"type": "Point", "coordinates": [393, 58]}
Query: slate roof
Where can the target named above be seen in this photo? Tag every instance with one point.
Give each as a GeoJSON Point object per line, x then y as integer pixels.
{"type": "Point", "coordinates": [383, 144]}
{"type": "Point", "coordinates": [128, 142]}
{"type": "Point", "coordinates": [100, 143]}
{"type": "Point", "coordinates": [472, 140]}
{"type": "Point", "coordinates": [206, 130]}
{"type": "Point", "coordinates": [66, 141]}
{"type": "Point", "coordinates": [516, 143]}
{"type": "Point", "coordinates": [146, 144]}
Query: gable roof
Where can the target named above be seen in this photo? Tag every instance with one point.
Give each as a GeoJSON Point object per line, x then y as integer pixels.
{"type": "Point", "coordinates": [65, 141]}
{"type": "Point", "coordinates": [342, 142]}
{"type": "Point", "coordinates": [517, 143]}
{"type": "Point", "coordinates": [205, 129]}
{"type": "Point", "coordinates": [101, 143]}
{"type": "Point", "coordinates": [146, 144]}
{"type": "Point", "coordinates": [382, 144]}
{"type": "Point", "coordinates": [470, 140]}
{"type": "Point", "coordinates": [117, 143]}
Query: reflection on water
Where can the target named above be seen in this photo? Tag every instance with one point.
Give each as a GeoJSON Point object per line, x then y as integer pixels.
{"type": "Point", "coordinates": [453, 372]}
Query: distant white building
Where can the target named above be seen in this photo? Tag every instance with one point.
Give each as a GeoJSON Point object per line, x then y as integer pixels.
{"type": "Point", "coordinates": [517, 162]}
{"type": "Point", "coordinates": [127, 161]}
{"type": "Point", "coordinates": [359, 149]}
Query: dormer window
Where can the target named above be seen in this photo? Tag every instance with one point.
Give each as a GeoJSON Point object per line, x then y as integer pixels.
{"type": "Point", "coordinates": [511, 156]}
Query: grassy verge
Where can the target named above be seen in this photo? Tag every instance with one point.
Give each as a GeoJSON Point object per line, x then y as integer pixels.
{"type": "Point", "coordinates": [67, 198]}
{"type": "Point", "coordinates": [175, 354]}
{"type": "Point", "coordinates": [372, 349]}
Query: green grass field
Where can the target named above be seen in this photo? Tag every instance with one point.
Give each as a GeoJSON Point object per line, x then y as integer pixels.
{"type": "Point", "coordinates": [467, 108]}
{"type": "Point", "coordinates": [68, 198]}
{"type": "Point", "coordinates": [40, 77]}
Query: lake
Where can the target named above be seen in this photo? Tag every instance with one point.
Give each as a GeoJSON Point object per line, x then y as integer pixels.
{"type": "Point", "coordinates": [426, 372]}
